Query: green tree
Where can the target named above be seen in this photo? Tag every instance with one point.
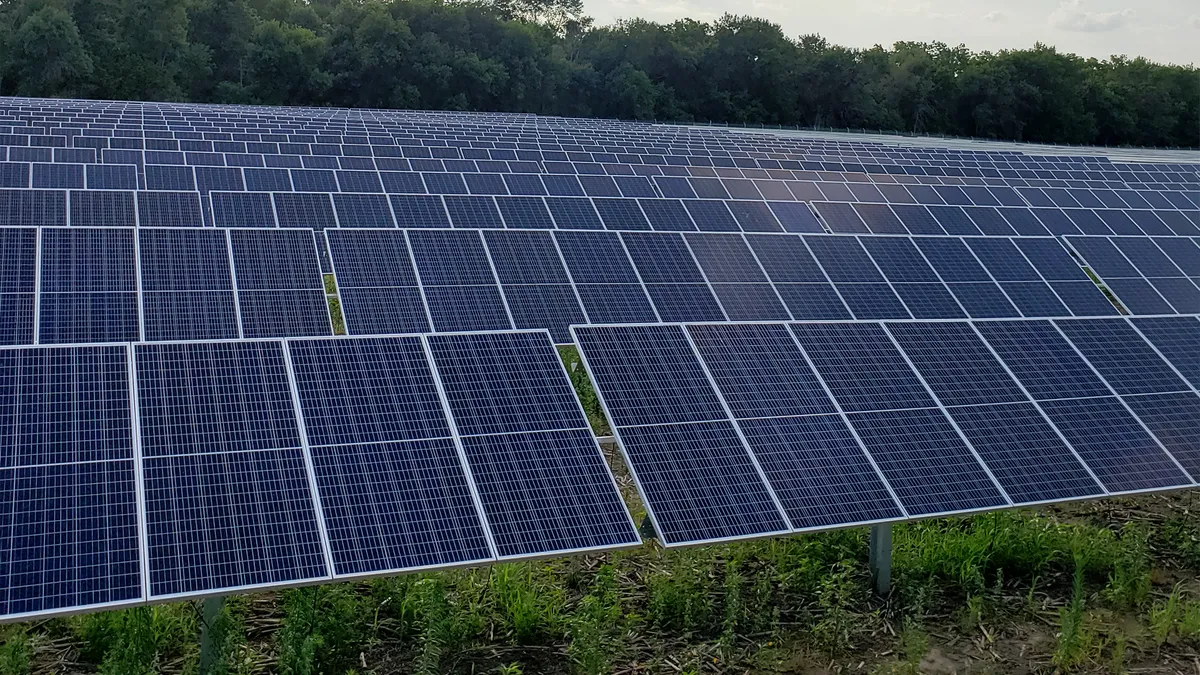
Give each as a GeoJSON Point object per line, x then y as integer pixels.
{"type": "Point", "coordinates": [47, 57]}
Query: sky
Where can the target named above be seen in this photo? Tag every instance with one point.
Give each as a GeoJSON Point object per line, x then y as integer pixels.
{"type": "Point", "coordinates": [1161, 30]}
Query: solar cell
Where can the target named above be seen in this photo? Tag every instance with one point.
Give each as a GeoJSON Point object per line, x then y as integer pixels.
{"type": "Point", "coordinates": [1175, 420]}
{"type": "Point", "coordinates": [280, 289]}
{"type": "Point", "coordinates": [795, 217]}
{"type": "Point", "coordinates": [169, 209]}
{"type": "Point", "coordinates": [711, 216]}
{"type": "Point", "coordinates": [1042, 360]}
{"type": "Point", "coordinates": [419, 211]}
{"type": "Point", "coordinates": [574, 213]}
{"type": "Point", "coordinates": [1178, 340]}
{"type": "Point", "coordinates": [841, 217]}
{"type": "Point", "coordinates": [621, 214]}
{"type": "Point", "coordinates": [88, 283]}
{"type": "Point", "coordinates": [754, 216]}
{"type": "Point", "coordinates": [1122, 357]}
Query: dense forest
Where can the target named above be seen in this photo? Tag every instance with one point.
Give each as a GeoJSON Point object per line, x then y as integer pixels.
{"type": "Point", "coordinates": [546, 56]}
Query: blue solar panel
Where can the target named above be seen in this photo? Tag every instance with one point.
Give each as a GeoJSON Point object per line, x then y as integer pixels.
{"type": "Point", "coordinates": [1122, 357]}
{"type": "Point", "coordinates": [464, 308]}
{"type": "Point", "coordinates": [69, 536]}
{"type": "Point", "coordinates": [229, 481]}
{"type": "Point", "coordinates": [18, 251]}
{"type": "Point", "coordinates": [648, 375]}
{"type": "Point", "coordinates": [574, 213]}
{"type": "Point", "coordinates": [1114, 445]}
{"type": "Point", "coordinates": [899, 259]}
{"type": "Point", "coordinates": [313, 211]}
{"type": "Point", "coordinates": [1177, 339]}
{"type": "Point", "coordinates": [169, 177]}
{"type": "Point", "coordinates": [1042, 360]}
{"type": "Point", "coordinates": [711, 216]}
{"type": "Point", "coordinates": [473, 211]}
{"type": "Point", "coordinates": [917, 219]}
{"type": "Point", "coordinates": [953, 219]}
{"type": "Point", "coordinates": [1138, 296]}
{"type": "Point", "coordinates": [872, 301]}
{"type": "Point", "coordinates": [925, 461]}
{"type": "Point", "coordinates": [667, 215]}
{"type": "Point", "coordinates": [812, 302]}
{"type": "Point", "coordinates": [1175, 420]}
{"type": "Point", "coordinates": [819, 471]}
{"type": "Point", "coordinates": [929, 301]}
{"type": "Point", "coordinates": [615, 303]}
{"type": "Point", "coordinates": [187, 286]}
{"type": "Point", "coordinates": [108, 208]}
{"type": "Point", "coordinates": [376, 282]}
{"type": "Point", "coordinates": [525, 212]}
{"type": "Point", "coordinates": [662, 258]}
{"type": "Point", "coordinates": [841, 217]}
{"type": "Point", "coordinates": [854, 359]}
{"type": "Point", "coordinates": [363, 210]}
{"type": "Point", "coordinates": [956, 364]}
{"type": "Point", "coordinates": [786, 259]}
{"type": "Point", "coordinates": [1029, 459]}
{"type": "Point", "coordinates": [678, 464]}
{"type": "Point", "coordinates": [88, 286]}
{"type": "Point", "coordinates": [795, 217]}
{"type": "Point", "coordinates": [760, 371]}
{"type": "Point", "coordinates": [375, 422]}
{"type": "Point", "coordinates": [621, 214]}
{"type": "Point", "coordinates": [419, 211]}
{"type": "Point", "coordinates": [754, 216]}
{"type": "Point", "coordinates": [448, 258]}
{"type": "Point", "coordinates": [169, 209]}
{"type": "Point", "coordinates": [725, 258]}
{"type": "Point", "coordinates": [280, 289]}
{"type": "Point", "coordinates": [541, 477]}
{"type": "Point", "coordinates": [242, 209]}
{"type": "Point", "coordinates": [880, 219]}
{"type": "Point", "coordinates": [314, 180]}
{"type": "Point", "coordinates": [983, 300]}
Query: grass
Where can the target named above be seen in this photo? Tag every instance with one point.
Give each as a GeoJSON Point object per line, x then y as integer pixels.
{"type": "Point", "coordinates": [754, 607]}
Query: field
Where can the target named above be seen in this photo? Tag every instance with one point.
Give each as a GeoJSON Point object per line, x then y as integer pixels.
{"type": "Point", "coordinates": [1104, 587]}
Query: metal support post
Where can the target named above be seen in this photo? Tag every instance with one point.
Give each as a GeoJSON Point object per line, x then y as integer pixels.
{"type": "Point", "coordinates": [880, 562]}
{"type": "Point", "coordinates": [211, 632]}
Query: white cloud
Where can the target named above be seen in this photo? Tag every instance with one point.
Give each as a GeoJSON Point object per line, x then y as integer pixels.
{"type": "Point", "coordinates": [993, 16]}
{"type": "Point", "coordinates": [1194, 20]}
{"type": "Point", "coordinates": [1072, 16]}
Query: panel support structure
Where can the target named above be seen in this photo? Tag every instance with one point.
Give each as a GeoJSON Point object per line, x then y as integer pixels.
{"type": "Point", "coordinates": [880, 562]}
{"type": "Point", "coordinates": [211, 633]}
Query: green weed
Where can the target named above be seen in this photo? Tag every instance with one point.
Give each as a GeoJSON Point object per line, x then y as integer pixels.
{"type": "Point", "coordinates": [837, 595]}
{"type": "Point", "coordinates": [15, 651]}
{"type": "Point", "coordinates": [229, 640]}
{"type": "Point", "coordinates": [679, 596]}
{"type": "Point", "coordinates": [584, 390]}
{"type": "Point", "coordinates": [1189, 621]}
{"type": "Point", "coordinates": [1116, 662]}
{"type": "Point", "coordinates": [529, 609]}
{"type": "Point", "coordinates": [136, 641]}
{"type": "Point", "coordinates": [1164, 615]}
{"type": "Point", "coordinates": [597, 626]}
{"type": "Point", "coordinates": [323, 630]}
{"type": "Point", "coordinates": [1074, 640]}
{"type": "Point", "coordinates": [1129, 581]}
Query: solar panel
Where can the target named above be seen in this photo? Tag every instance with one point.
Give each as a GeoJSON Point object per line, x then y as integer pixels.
{"type": "Point", "coordinates": [374, 421]}
{"type": "Point", "coordinates": [169, 209]}
{"type": "Point", "coordinates": [66, 481]}
{"type": "Point", "coordinates": [930, 467]}
{"type": "Point", "coordinates": [541, 478]}
{"type": "Point", "coordinates": [242, 209]}
{"type": "Point", "coordinates": [956, 364]}
{"type": "Point", "coordinates": [88, 283]}
{"type": "Point", "coordinates": [363, 210]}
{"type": "Point", "coordinates": [108, 208]}
{"type": "Point", "coordinates": [187, 286]}
{"type": "Point", "coordinates": [314, 211]}
{"type": "Point", "coordinates": [1178, 340]}
{"type": "Point", "coordinates": [228, 503]}
{"type": "Point", "coordinates": [280, 288]}
{"type": "Point", "coordinates": [1118, 353]}
{"type": "Point", "coordinates": [376, 282]}
{"type": "Point", "coordinates": [854, 358]}
{"type": "Point", "coordinates": [571, 213]}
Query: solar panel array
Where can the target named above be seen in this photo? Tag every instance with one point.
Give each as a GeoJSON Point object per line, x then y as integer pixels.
{"type": "Point", "coordinates": [803, 426]}
{"type": "Point", "coordinates": [767, 319]}
{"type": "Point", "coordinates": [192, 468]}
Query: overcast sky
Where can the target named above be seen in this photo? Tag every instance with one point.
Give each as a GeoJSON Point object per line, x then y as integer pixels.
{"type": "Point", "coordinates": [1163, 30]}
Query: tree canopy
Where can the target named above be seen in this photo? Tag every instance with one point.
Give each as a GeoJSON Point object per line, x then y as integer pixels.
{"type": "Point", "coordinates": [546, 56]}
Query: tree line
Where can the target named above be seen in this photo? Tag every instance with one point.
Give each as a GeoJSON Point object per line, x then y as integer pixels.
{"type": "Point", "coordinates": [546, 56]}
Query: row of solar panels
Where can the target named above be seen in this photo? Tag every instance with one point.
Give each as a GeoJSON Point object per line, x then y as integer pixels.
{"type": "Point", "coordinates": [67, 285]}
{"type": "Point", "coordinates": [90, 149]}
{"type": "Point", "coordinates": [160, 208]}
{"type": "Point", "coordinates": [745, 430]}
{"type": "Point", "coordinates": [133, 473]}
{"type": "Point", "coordinates": [431, 159]}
